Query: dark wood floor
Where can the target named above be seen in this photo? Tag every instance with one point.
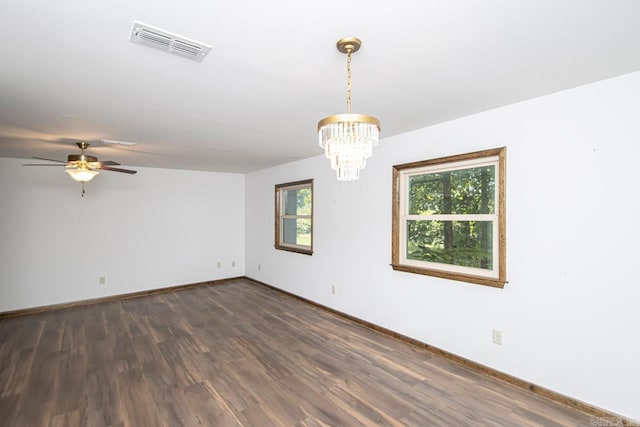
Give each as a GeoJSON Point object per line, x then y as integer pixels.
{"type": "Point", "coordinates": [239, 354]}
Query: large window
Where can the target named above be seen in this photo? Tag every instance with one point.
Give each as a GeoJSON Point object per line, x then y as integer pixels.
{"type": "Point", "coordinates": [449, 217]}
{"type": "Point", "coordinates": [294, 217]}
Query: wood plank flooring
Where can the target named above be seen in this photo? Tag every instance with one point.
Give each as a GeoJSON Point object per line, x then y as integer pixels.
{"type": "Point", "coordinates": [239, 354]}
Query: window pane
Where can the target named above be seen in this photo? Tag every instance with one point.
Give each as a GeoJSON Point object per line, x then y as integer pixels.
{"type": "Point", "coordinates": [289, 231]}
{"type": "Point", "coordinates": [303, 232]}
{"type": "Point", "coordinates": [463, 191]}
{"type": "Point", "coordinates": [296, 231]}
{"type": "Point", "coordinates": [297, 202]}
{"type": "Point", "coordinates": [461, 243]}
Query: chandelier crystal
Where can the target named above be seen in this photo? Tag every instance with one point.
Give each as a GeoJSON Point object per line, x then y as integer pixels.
{"type": "Point", "coordinates": [348, 139]}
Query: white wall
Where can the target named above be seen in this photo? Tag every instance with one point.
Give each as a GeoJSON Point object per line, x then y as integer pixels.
{"type": "Point", "coordinates": [155, 229]}
{"type": "Point", "coordinates": [569, 313]}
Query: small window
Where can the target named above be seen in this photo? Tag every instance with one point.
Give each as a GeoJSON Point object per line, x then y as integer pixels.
{"type": "Point", "coordinates": [294, 217]}
{"type": "Point", "coordinates": [449, 217]}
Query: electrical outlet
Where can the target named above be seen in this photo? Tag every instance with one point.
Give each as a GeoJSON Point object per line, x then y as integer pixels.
{"type": "Point", "coordinates": [259, 267]}
{"type": "Point", "coordinates": [102, 280]}
{"type": "Point", "coordinates": [333, 289]}
{"type": "Point", "coordinates": [233, 263]}
{"type": "Point", "coordinates": [219, 264]}
{"type": "Point", "coordinates": [497, 337]}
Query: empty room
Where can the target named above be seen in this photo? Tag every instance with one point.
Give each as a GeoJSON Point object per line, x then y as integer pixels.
{"type": "Point", "coordinates": [340, 213]}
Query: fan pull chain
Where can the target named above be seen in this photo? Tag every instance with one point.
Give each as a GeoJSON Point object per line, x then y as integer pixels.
{"type": "Point", "coordinates": [82, 189]}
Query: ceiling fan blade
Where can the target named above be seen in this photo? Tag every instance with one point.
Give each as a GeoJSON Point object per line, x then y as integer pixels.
{"type": "Point", "coordinates": [41, 164]}
{"type": "Point", "coordinates": [107, 168]}
{"type": "Point", "coordinates": [50, 160]}
{"type": "Point", "coordinates": [109, 163]}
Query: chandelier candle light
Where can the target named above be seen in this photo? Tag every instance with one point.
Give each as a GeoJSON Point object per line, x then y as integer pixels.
{"type": "Point", "coordinates": [348, 139]}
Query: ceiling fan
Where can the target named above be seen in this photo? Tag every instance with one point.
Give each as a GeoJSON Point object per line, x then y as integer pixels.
{"type": "Point", "coordinates": [82, 167]}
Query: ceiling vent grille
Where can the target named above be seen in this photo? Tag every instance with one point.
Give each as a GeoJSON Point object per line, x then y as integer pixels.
{"type": "Point", "coordinates": [160, 39]}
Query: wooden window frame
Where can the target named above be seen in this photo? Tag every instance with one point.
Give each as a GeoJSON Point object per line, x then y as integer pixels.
{"type": "Point", "coordinates": [280, 216]}
{"type": "Point", "coordinates": [496, 278]}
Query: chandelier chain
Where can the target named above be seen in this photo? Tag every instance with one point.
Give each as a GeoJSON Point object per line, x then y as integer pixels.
{"type": "Point", "coordinates": [349, 81]}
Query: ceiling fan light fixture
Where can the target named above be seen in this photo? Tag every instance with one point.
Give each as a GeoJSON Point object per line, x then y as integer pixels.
{"type": "Point", "coordinates": [348, 139]}
{"type": "Point", "coordinates": [81, 174]}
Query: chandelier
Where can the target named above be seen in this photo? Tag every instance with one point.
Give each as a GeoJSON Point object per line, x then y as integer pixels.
{"type": "Point", "coordinates": [348, 139]}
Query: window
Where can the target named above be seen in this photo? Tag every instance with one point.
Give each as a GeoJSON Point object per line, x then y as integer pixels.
{"type": "Point", "coordinates": [294, 216]}
{"type": "Point", "coordinates": [449, 217]}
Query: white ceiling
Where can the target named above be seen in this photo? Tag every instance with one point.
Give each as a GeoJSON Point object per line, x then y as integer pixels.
{"type": "Point", "coordinates": [69, 72]}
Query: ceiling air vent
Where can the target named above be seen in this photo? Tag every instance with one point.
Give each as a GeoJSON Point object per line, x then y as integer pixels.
{"type": "Point", "coordinates": [160, 39]}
